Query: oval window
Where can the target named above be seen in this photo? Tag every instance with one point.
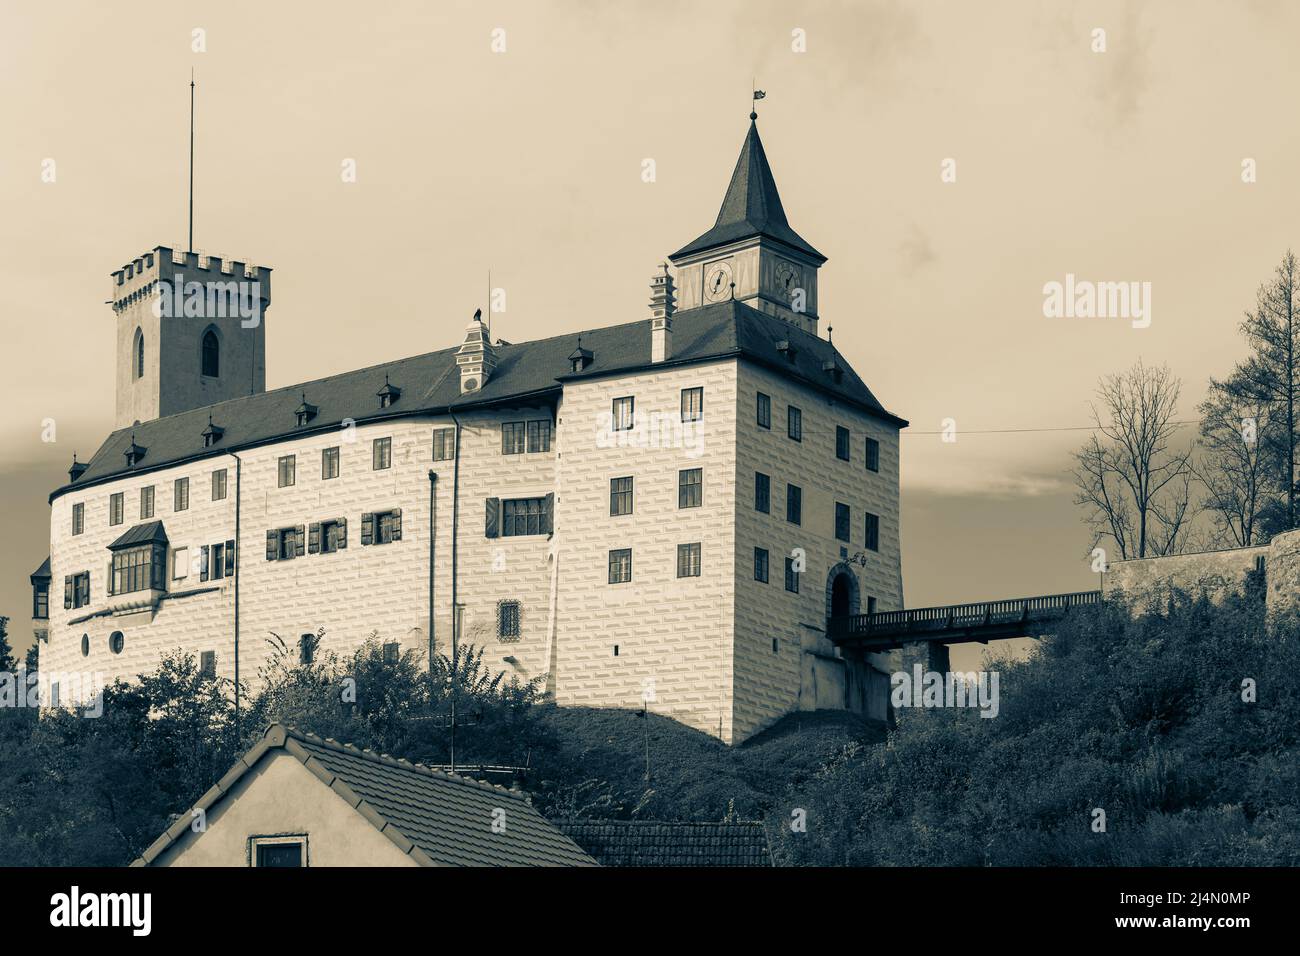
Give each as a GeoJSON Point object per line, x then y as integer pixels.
{"type": "Point", "coordinates": [85, 645]}
{"type": "Point", "coordinates": [116, 642]}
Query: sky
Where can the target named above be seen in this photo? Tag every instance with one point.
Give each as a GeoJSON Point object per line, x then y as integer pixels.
{"type": "Point", "coordinates": [1122, 164]}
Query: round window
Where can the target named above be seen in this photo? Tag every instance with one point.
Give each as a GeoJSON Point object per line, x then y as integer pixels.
{"type": "Point", "coordinates": [85, 645]}
{"type": "Point", "coordinates": [471, 384]}
{"type": "Point", "coordinates": [116, 642]}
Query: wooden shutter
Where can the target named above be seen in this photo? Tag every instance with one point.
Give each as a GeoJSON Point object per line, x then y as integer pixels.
{"type": "Point", "coordinates": [67, 591]}
{"type": "Point", "coordinates": [367, 529]}
{"type": "Point", "coordinates": [343, 533]}
{"type": "Point", "coordinates": [548, 513]}
{"type": "Point", "coordinates": [493, 517]}
{"type": "Point", "coordinates": [313, 539]}
{"type": "Point", "coordinates": [397, 524]}
{"type": "Point", "coordinates": [205, 553]}
{"type": "Point", "coordinates": [299, 541]}
{"type": "Point", "coordinates": [272, 545]}
{"type": "Point", "coordinates": [230, 558]}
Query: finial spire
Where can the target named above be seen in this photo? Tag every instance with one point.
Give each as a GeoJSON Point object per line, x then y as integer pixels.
{"type": "Point", "coordinates": [190, 246]}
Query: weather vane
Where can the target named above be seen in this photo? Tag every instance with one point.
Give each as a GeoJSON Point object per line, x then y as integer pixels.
{"type": "Point", "coordinates": [758, 95]}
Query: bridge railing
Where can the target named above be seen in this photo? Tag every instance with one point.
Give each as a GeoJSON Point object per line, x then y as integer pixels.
{"type": "Point", "coordinates": [961, 615]}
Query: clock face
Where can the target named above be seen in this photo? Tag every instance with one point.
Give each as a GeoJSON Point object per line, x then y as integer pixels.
{"type": "Point", "coordinates": [787, 277]}
{"type": "Point", "coordinates": [717, 282]}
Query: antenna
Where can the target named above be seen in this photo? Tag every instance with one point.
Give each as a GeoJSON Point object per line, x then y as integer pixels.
{"type": "Point", "coordinates": [191, 241]}
{"type": "Point", "coordinates": [489, 303]}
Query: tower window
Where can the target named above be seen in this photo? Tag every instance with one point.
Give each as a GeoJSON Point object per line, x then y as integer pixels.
{"type": "Point", "coordinates": [842, 443]}
{"type": "Point", "coordinates": [841, 521]}
{"type": "Point", "coordinates": [760, 565]}
{"type": "Point", "coordinates": [115, 508]}
{"type": "Point", "coordinates": [78, 518]}
{"type": "Point", "coordinates": [873, 532]}
{"type": "Point", "coordinates": [794, 423]}
{"type": "Point", "coordinates": [873, 455]}
{"type": "Point", "coordinates": [513, 438]}
{"type": "Point", "coordinates": [211, 354]}
{"type": "Point", "coordinates": [794, 504]}
{"type": "Point", "coordinates": [137, 370]}
{"type": "Point", "coordinates": [508, 621]}
{"type": "Point", "coordinates": [764, 411]}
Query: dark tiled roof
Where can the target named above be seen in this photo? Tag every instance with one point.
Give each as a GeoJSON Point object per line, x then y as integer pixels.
{"type": "Point", "coordinates": [647, 843]}
{"type": "Point", "coordinates": [751, 207]}
{"type": "Point", "coordinates": [43, 572]}
{"type": "Point", "coordinates": [430, 383]}
{"type": "Point", "coordinates": [438, 818]}
{"type": "Point", "coordinates": [151, 532]}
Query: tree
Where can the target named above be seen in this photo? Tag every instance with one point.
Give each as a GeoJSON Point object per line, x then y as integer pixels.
{"type": "Point", "coordinates": [6, 652]}
{"type": "Point", "coordinates": [1136, 486]}
{"type": "Point", "coordinates": [1233, 466]}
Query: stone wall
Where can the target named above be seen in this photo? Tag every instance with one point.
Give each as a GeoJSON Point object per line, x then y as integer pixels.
{"type": "Point", "coordinates": [1149, 581]}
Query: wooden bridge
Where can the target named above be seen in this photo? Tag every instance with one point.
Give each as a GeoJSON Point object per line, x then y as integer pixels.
{"type": "Point", "coordinates": [956, 623]}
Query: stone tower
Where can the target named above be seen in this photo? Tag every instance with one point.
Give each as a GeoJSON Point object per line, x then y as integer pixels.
{"type": "Point", "coordinates": [191, 331]}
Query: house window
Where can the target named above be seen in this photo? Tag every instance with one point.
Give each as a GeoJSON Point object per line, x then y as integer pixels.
{"type": "Point", "coordinates": [54, 693]}
{"type": "Point", "coordinates": [760, 565]}
{"type": "Point", "coordinates": [208, 665]}
{"type": "Point", "coordinates": [539, 436]}
{"type": "Point", "coordinates": [873, 532]}
{"type": "Point", "coordinates": [80, 593]}
{"type": "Point", "coordinates": [690, 488]}
{"type": "Point", "coordinates": [762, 493]}
{"type": "Point", "coordinates": [688, 560]}
{"type": "Point", "coordinates": [620, 566]}
{"type": "Point", "coordinates": [842, 443]}
{"type": "Point", "coordinates": [212, 562]}
{"type": "Point", "coordinates": [285, 544]}
{"type": "Point", "coordinates": [513, 438]}
{"type": "Point", "coordinates": [85, 645]}
{"type": "Point", "coordinates": [381, 527]}
{"type": "Point", "coordinates": [211, 354]}
{"type": "Point", "coordinates": [146, 502]}
{"type": "Point", "coordinates": [329, 463]}
{"type": "Point", "coordinates": [444, 444]}
{"type": "Point", "coordinates": [78, 518]}
{"type": "Point", "coordinates": [620, 496]}
{"type": "Point", "coordinates": [219, 485]}
{"type": "Point", "coordinates": [286, 469]}
{"type": "Point", "coordinates": [381, 454]}
{"type": "Point", "coordinates": [116, 642]}
{"type": "Point", "coordinates": [392, 652]}
{"type": "Point", "coordinates": [41, 601]}
{"type": "Point", "coordinates": [181, 494]}
{"type": "Point", "coordinates": [307, 649]}
{"type": "Point", "coordinates": [115, 508]}
{"type": "Point", "coordinates": [764, 411]}
{"type": "Point", "coordinates": [508, 621]}
{"type": "Point", "coordinates": [624, 414]}
{"type": "Point", "coordinates": [692, 404]}
{"type": "Point", "coordinates": [873, 455]}
{"type": "Point", "coordinates": [138, 369]}
{"type": "Point", "coordinates": [841, 521]}
{"type": "Point", "coordinates": [794, 504]}
{"type": "Point", "coordinates": [523, 516]}
{"type": "Point", "coordinates": [278, 851]}
{"type": "Point", "coordinates": [791, 577]}
{"type": "Point", "coordinates": [331, 535]}
{"type": "Point", "coordinates": [140, 568]}
{"type": "Point", "coordinates": [794, 423]}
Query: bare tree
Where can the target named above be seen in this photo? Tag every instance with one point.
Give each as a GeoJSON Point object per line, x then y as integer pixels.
{"type": "Point", "coordinates": [1233, 465]}
{"type": "Point", "coordinates": [1136, 487]}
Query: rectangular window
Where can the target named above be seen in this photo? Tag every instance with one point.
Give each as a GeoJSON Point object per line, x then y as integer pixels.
{"type": "Point", "coordinates": [333, 535]}
{"type": "Point", "coordinates": [115, 508]}
{"type": "Point", "coordinates": [794, 423]}
{"type": "Point", "coordinates": [791, 577]}
{"type": "Point", "coordinates": [760, 565]}
{"type": "Point", "coordinates": [41, 601]}
{"type": "Point", "coordinates": [690, 488]}
{"type": "Point", "coordinates": [219, 485]}
{"type": "Point", "coordinates": [539, 436]}
{"type": "Point", "coordinates": [692, 404]}
{"type": "Point", "coordinates": [620, 566]}
{"type": "Point", "coordinates": [841, 521]}
{"type": "Point", "coordinates": [508, 621]}
{"type": "Point", "coordinates": [78, 518]}
{"type": "Point", "coordinates": [873, 455]}
{"type": "Point", "coordinates": [81, 589]}
{"type": "Point", "coordinates": [842, 443]}
{"type": "Point", "coordinates": [873, 532]}
{"type": "Point", "coordinates": [286, 469]}
{"type": "Point", "coordinates": [392, 652]}
{"type": "Point", "coordinates": [624, 414]}
{"type": "Point", "coordinates": [764, 411]}
{"type": "Point", "coordinates": [146, 502]}
{"type": "Point", "coordinates": [181, 494]}
{"type": "Point", "coordinates": [871, 605]}
{"type": "Point", "coordinates": [278, 852]}
{"type": "Point", "coordinates": [762, 493]}
{"type": "Point", "coordinates": [285, 544]}
{"type": "Point", "coordinates": [513, 435]}
{"type": "Point", "coordinates": [216, 562]}
{"type": "Point", "coordinates": [208, 665]}
{"type": "Point", "coordinates": [139, 569]}
{"type": "Point", "coordinates": [620, 496]}
{"type": "Point", "coordinates": [329, 463]}
{"type": "Point", "coordinates": [523, 516]}
{"type": "Point", "coordinates": [381, 454]}
{"type": "Point", "coordinates": [794, 504]}
{"type": "Point", "coordinates": [444, 444]}
{"type": "Point", "coordinates": [688, 560]}
{"type": "Point", "coordinates": [388, 527]}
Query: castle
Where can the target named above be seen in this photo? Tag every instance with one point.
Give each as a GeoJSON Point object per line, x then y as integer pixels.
{"type": "Point", "coordinates": [662, 512]}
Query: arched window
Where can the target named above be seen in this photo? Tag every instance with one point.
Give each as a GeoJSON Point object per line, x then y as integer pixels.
{"type": "Point", "coordinates": [211, 354]}
{"type": "Point", "coordinates": [138, 363]}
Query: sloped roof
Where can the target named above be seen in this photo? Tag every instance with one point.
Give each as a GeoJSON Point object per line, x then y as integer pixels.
{"type": "Point", "coordinates": [430, 384]}
{"type": "Point", "coordinates": [151, 532]}
{"type": "Point", "coordinates": [751, 207]}
{"type": "Point", "coordinates": [43, 572]}
{"type": "Point", "coordinates": [437, 818]}
{"type": "Point", "coordinates": [649, 843]}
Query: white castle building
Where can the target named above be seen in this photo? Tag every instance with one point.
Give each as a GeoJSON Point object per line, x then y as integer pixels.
{"type": "Point", "coordinates": [665, 510]}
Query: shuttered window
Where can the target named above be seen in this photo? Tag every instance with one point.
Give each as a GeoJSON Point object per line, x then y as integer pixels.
{"type": "Point", "coordinates": [326, 537]}
{"type": "Point", "coordinates": [381, 527]}
{"type": "Point", "coordinates": [285, 544]}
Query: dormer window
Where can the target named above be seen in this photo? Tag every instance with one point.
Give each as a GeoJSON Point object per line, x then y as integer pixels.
{"type": "Point", "coordinates": [833, 369]}
{"type": "Point", "coordinates": [212, 434]}
{"type": "Point", "coordinates": [305, 412]}
{"type": "Point", "coordinates": [134, 453]}
{"type": "Point", "coordinates": [580, 358]}
{"type": "Point", "coordinates": [786, 349]}
{"type": "Point", "coordinates": [388, 394]}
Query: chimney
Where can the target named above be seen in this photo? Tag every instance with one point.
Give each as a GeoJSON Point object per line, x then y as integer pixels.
{"type": "Point", "coordinates": [476, 356]}
{"type": "Point", "coordinates": [662, 304]}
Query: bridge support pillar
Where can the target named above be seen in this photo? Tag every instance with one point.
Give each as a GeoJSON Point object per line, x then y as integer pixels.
{"type": "Point", "coordinates": [936, 657]}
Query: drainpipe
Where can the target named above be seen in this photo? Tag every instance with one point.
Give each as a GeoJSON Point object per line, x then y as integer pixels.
{"type": "Point", "coordinates": [455, 615]}
{"type": "Point", "coordinates": [239, 555]}
{"type": "Point", "coordinates": [433, 525]}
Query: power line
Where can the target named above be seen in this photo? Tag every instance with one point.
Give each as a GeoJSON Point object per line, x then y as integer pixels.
{"type": "Point", "coordinates": [1023, 431]}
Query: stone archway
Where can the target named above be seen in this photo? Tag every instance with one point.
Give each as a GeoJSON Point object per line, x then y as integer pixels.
{"type": "Point", "coordinates": [842, 592]}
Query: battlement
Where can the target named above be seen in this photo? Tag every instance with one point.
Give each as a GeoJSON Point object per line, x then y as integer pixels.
{"type": "Point", "coordinates": [141, 276]}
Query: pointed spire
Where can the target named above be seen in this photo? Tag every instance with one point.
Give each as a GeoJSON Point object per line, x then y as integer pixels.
{"type": "Point", "coordinates": [752, 206]}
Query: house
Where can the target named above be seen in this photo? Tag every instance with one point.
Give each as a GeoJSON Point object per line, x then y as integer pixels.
{"type": "Point", "coordinates": [653, 843]}
{"type": "Point", "coordinates": [298, 800]}
{"type": "Point", "coordinates": [662, 512]}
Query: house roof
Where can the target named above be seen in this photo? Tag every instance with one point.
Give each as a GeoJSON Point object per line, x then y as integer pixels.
{"type": "Point", "coordinates": [151, 532]}
{"type": "Point", "coordinates": [751, 207]}
{"type": "Point", "coordinates": [650, 843]}
{"type": "Point", "coordinates": [430, 385]}
{"type": "Point", "coordinates": [43, 572]}
{"type": "Point", "coordinates": [437, 818]}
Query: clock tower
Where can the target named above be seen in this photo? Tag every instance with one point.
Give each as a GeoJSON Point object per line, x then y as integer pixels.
{"type": "Point", "coordinates": [751, 254]}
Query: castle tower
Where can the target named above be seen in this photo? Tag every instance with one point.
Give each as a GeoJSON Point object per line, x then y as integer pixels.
{"type": "Point", "coordinates": [753, 248]}
{"type": "Point", "coordinates": [476, 358]}
{"type": "Point", "coordinates": [191, 331]}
